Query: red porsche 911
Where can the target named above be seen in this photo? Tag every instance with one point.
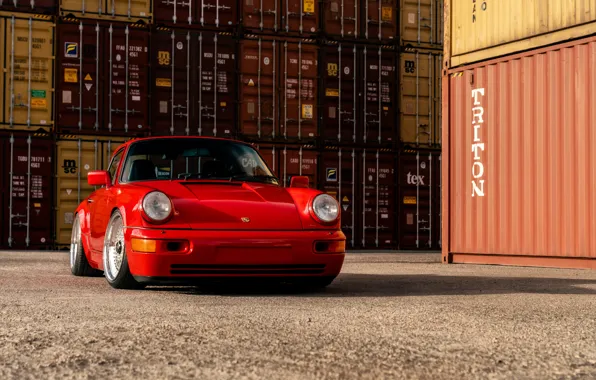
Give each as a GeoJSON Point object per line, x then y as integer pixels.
{"type": "Point", "coordinates": [173, 210]}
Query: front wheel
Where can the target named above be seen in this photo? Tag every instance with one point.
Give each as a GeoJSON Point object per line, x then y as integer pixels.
{"type": "Point", "coordinates": [115, 262]}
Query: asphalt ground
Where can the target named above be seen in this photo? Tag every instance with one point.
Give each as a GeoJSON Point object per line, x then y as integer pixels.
{"type": "Point", "coordinates": [386, 316]}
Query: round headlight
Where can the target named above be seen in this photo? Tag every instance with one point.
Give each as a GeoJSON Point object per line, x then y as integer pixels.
{"type": "Point", "coordinates": [325, 208]}
{"type": "Point", "coordinates": [157, 206]}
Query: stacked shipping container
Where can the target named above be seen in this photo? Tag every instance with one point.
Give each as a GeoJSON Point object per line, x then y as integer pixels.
{"type": "Point", "coordinates": [322, 89]}
{"type": "Point", "coordinates": [518, 132]}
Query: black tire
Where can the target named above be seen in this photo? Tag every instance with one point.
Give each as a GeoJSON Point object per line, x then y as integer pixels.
{"type": "Point", "coordinates": [115, 261]}
{"type": "Point", "coordinates": [79, 265]}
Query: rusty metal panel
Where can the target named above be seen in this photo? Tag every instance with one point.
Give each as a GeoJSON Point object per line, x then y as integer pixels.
{"type": "Point", "coordinates": [420, 98]}
{"type": "Point", "coordinates": [27, 80]}
{"type": "Point", "coordinates": [298, 100]}
{"type": "Point", "coordinates": [102, 96]}
{"type": "Point", "coordinates": [378, 200]}
{"type": "Point", "coordinates": [380, 24]}
{"type": "Point", "coordinates": [520, 161]}
{"type": "Point", "coordinates": [421, 23]}
{"type": "Point", "coordinates": [194, 83]}
{"type": "Point", "coordinates": [419, 198]}
{"type": "Point", "coordinates": [74, 159]}
{"type": "Point", "coordinates": [108, 10]}
{"type": "Point", "coordinates": [340, 94]}
{"type": "Point", "coordinates": [484, 29]}
{"type": "Point", "coordinates": [379, 81]}
{"type": "Point", "coordinates": [341, 18]}
{"type": "Point", "coordinates": [28, 170]}
{"type": "Point", "coordinates": [199, 13]}
{"type": "Point", "coordinates": [339, 174]}
{"type": "Point", "coordinates": [46, 7]}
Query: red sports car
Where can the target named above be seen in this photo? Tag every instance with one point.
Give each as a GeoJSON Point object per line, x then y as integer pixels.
{"type": "Point", "coordinates": [178, 209]}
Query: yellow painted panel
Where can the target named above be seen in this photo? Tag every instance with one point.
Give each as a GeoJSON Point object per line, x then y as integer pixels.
{"type": "Point", "coordinates": [421, 23]}
{"type": "Point", "coordinates": [75, 158]}
{"type": "Point", "coordinates": [486, 29]}
{"type": "Point", "coordinates": [420, 80]}
{"type": "Point", "coordinates": [119, 10]}
{"type": "Point", "coordinates": [28, 48]}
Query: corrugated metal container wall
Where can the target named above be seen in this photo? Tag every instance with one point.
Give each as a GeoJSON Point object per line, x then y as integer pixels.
{"type": "Point", "coordinates": [102, 96]}
{"type": "Point", "coordinates": [341, 18]}
{"type": "Point", "coordinates": [194, 83]}
{"type": "Point", "coordinates": [74, 159]}
{"type": "Point", "coordinates": [378, 199]}
{"type": "Point", "coordinates": [379, 88]}
{"type": "Point", "coordinates": [339, 174]}
{"type": "Point", "coordinates": [420, 99]}
{"type": "Point", "coordinates": [380, 24]}
{"type": "Point", "coordinates": [419, 200]}
{"type": "Point", "coordinates": [26, 81]}
{"type": "Point", "coordinates": [27, 197]}
{"type": "Point", "coordinates": [341, 93]}
{"type": "Point", "coordinates": [421, 23]}
{"type": "Point", "coordinates": [201, 13]}
{"type": "Point", "coordinates": [109, 10]}
{"type": "Point", "coordinates": [47, 7]}
{"type": "Point", "coordinates": [278, 95]}
{"type": "Point", "coordinates": [290, 17]}
{"type": "Point", "coordinates": [480, 30]}
{"type": "Point", "coordinates": [520, 167]}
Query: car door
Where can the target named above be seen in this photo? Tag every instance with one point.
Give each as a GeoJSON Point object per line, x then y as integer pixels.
{"type": "Point", "coordinates": [100, 212]}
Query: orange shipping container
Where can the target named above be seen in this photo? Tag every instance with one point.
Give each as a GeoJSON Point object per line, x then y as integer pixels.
{"type": "Point", "coordinates": [519, 166]}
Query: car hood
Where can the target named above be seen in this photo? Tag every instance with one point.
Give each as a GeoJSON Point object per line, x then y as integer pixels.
{"type": "Point", "coordinates": [223, 205]}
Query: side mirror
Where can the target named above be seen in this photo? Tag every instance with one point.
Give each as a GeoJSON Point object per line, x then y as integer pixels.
{"type": "Point", "coordinates": [99, 178]}
{"type": "Point", "coordinates": [299, 181]}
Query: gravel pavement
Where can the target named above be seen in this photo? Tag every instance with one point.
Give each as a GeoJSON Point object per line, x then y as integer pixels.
{"type": "Point", "coordinates": [386, 316]}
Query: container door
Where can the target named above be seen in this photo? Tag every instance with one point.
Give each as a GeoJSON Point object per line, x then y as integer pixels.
{"type": "Point", "coordinates": [378, 203]}
{"type": "Point", "coordinates": [341, 18]}
{"type": "Point", "coordinates": [379, 82]}
{"type": "Point", "coordinates": [35, 6]}
{"type": "Point", "coordinates": [27, 224]}
{"type": "Point", "coordinates": [419, 22]}
{"type": "Point", "coordinates": [258, 103]}
{"type": "Point", "coordinates": [216, 13]}
{"type": "Point", "coordinates": [298, 99]}
{"type": "Point", "coordinates": [215, 111]}
{"type": "Point", "coordinates": [298, 162]}
{"type": "Point", "coordinates": [340, 93]}
{"type": "Point", "coordinates": [79, 78]}
{"type": "Point", "coordinates": [300, 16]}
{"type": "Point", "coordinates": [261, 15]}
{"type": "Point", "coordinates": [339, 181]}
{"type": "Point", "coordinates": [130, 10]}
{"type": "Point", "coordinates": [380, 20]}
{"type": "Point", "coordinates": [179, 13]}
{"type": "Point", "coordinates": [127, 76]}
{"type": "Point", "coordinates": [75, 158]}
{"type": "Point", "coordinates": [84, 7]}
{"type": "Point", "coordinates": [28, 73]}
{"type": "Point", "coordinates": [419, 101]}
{"type": "Point", "coordinates": [171, 83]}
{"type": "Point", "coordinates": [419, 197]}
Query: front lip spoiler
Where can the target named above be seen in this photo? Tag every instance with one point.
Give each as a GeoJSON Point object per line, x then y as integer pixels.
{"type": "Point", "coordinates": [198, 280]}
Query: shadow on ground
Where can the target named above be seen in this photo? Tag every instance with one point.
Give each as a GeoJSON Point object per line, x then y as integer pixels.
{"type": "Point", "coordinates": [372, 285]}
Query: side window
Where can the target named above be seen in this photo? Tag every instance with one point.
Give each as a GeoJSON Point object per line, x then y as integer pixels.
{"type": "Point", "coordinates": [114, 164]}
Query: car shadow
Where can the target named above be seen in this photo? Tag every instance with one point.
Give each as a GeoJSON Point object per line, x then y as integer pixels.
{"type": "Point", "coordinates": [379, 285]}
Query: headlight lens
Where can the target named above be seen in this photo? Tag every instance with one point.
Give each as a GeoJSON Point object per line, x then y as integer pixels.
{"type": "Point", "coordinates": [325, 208]}
{"type": "Point", "coordinates": [157, 206]}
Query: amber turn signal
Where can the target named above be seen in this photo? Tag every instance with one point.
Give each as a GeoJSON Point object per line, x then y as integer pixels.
{"type": "Point", "coordinates": [334, 246]}
{"type": "Point", "coordinates": [143, 245]}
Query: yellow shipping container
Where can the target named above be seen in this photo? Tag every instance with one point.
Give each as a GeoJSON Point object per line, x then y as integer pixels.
{"type": "Point", "coordinates": [75, 158]}
{"type": "Point", "coordinates": [483, 29]}
{"type": "Point", "coordinates": [111, 10]}
{"type": "Point", "coordinates": [27, 80]}
{"type": "Point", "coordinates": [421, 23]}
{"type": "Point", "coordinates": [420, 97]}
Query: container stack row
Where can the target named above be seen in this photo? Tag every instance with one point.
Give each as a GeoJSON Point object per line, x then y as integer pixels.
{"type": "Point", "coordinates": [344, 92]}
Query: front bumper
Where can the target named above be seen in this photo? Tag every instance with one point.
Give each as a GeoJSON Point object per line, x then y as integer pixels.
{"type": "Point", "coordinates": [234, 254]}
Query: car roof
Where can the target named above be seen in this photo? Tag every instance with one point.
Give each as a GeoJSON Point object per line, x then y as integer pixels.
{"type": "Point", "coordinates": [135, 140]}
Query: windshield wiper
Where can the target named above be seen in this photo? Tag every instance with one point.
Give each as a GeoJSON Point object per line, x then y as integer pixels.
{"type": "Point", "coordinates": [245, 176]}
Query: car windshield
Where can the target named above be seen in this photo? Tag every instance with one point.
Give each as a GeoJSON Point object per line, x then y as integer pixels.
{"type": "Point", "coordinates": [189, 158]}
